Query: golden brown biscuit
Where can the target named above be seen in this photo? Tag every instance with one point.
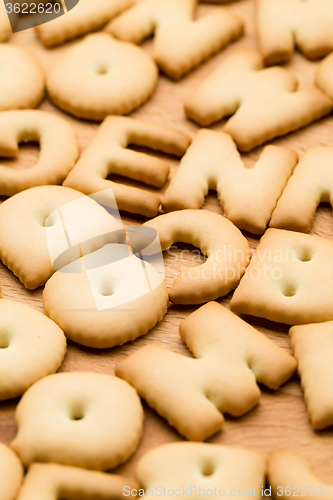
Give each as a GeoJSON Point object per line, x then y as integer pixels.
{"type": "Point", "coordinates": [106, 298]}
{"type": "Point", "coordinates": [87, 419]}
{"type": "Point", "coordinates": [180, 43]}
{"type": "Point", "coordinates": [53, 481]}
{"type": "Point", "coordinates": [101, 76]}
{"type": "Point", "coordinates": [196, 469]}
{"type": "Point", "coordinates": [192, 394]}
{"type": "Point", "coordinates": [33, 227]}
{"type": "Point", "coordinates": [289, 279]}
{"type": "Point", "coordinates": [22, 80]}
{"type": "Point", "coordinates": [284, 24]}
{"type": "Point", "coordinates": [108, 154]}
{"type": "Point", "coordinates": [242, 87]}
{"type": "Point", "coordinates": [312, 347]}
{"type": "Point", "coordinates": [31, 347]}
{"type": "Point", "coordinates": [5, 27]}
{"type": "Point", "coordinates": [11, 473]}
{"type": "Point", "coordinates": [225, 247]}
{"type": "Point", "coordinates": [247, 195]}
{"type": "Point", "coordinates": [291, 475]}
{"type": "Point", "coordinates": [86, 16]}
{"type": "Point", "coordinates": [59, 149]}
{"type": "Point", "coordinates": [310, 185]}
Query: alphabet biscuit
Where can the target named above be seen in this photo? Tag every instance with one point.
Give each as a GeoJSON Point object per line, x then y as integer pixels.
{"type": "Point", "coordinates": [58, 149]}
{"type": "Point", "coordinates": [86, 419]}
{"type": "Point", "coordinates": [192, 394]}
{"type": "Point", "coordinates": [288, 280]}
{"type": "Point", "coordinates": [31, 347]}
{"type": "Point", "coordinates": [107, 154]}
{"type": "Point", "coordinates": [242, 87]}
{"type": "Point", "coordinates": [29, 217]}
{"type": "Point", "coordinates": [324, 76]}
{"type": "Point", "coordinates": [284, 24]}
{"type": "Point", "coordinates": [312, 347]}
{"type": "Point", "coordinates": [225, 247]}
{"type": "Point", "coordinates": [107, 298]}
{"type": "Point", "coordinates": [247, 195]}
{"type": "Point", "coordinates": [288, 472]}
{"type": "Point", "coordinates": [310, 184]}
{"type": "Point", "coordinates": [5, 27]}
{"type": "Point", "coordinates": [22, 81]}
{"type": "Point", "coordinates": [180, 43]}
{"type": "Point", "coordinates": [101, 76]}
{"type": "Point", "coordinates": [53, 481]}
{"type": "Point", "coordinates": [11, 473]}
{"type": "Point", "coordinates": [86, 16]}
{"type": "Point", "coordinates": [190, 466]}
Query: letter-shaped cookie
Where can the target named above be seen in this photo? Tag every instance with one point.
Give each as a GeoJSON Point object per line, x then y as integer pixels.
{"type": "Point", "coordinates": [201, 465]}
{"type": "Point", "coordinates": [312, 347]}
{"type": "Point", "coordinates": [114, 297]}
{"type": "Point", "coordinates": [101, 76]}
{"type": "Point", "coordinates": [225, 247]}
{"type": "Point", "coordinates": [5, 27]}
{"type": "Point", "coordinates": [31, 347]}
{"type": "Point", "coordinates": [289, 279]}
{"type": "Point", "coordinates": [11, 473]}
{"type": "Point", "coordinates": [193, 394]}
{"type": "Point", "coordinates": [264, 102]}
{"type": "Point", "coordinates": [247, 195]}
{"type": "Point", "coordinates": [284, 24]}
{"type": "Point", "coordinates": [310, 184]}
{"type": "Point", "coordinates": [180, 43]}
{"type": "Point", "coordinates": [290, 472]}
{"type": "Point", "coordinates": [54, 482]}
{"type": "Point", "coordinates": [27, 218]}
{"type": "Point", "coordinates": [22, 80]}
{"type": "Point", "coordinates": [58, 149]}
{"type": "Point", "coordinates": [107, 154]}
{"type": "Point", "coordinates": [324, 76]}
{"type": "Point", "coordinates": [84, 17]}
{"type": "Point", "coordinates": [87, 419]}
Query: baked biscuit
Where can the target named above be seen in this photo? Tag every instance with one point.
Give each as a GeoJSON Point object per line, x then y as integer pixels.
{"type": "Point", "coordinates": [248, 195]}
{"type": "Point", "coordinates": [31, 347]}
{"type": "Point", "coordinates": [59, 149]}
{"type": "Point", "coordinates": [107, 298]}
{"type": "Point", "coordinates": [210, 467]}
{"type": "Point", "coordinates": [101, 76]}
{"type": "Point", "coordinates": [284, 24]}
{"type": "Point", "coordinates": [35, 226]}
{"type": "Point", "coordinates": [22, 80]}
{"type": "Point", "coordinates": [86, 16]}
{"type": "Point", "coordinates": [264, 102]}
{"type": "Point", "coordinates": [180, 43]}
{"type": "Point", "coordinates": [53, 481]}
{"type": "Point", "coordinates": [231, 357]}
{"type": "Point", "coordinates": [108, 154]}
{"type": "Point", "coordinates": [11, 473]}
{"type": "Point", "coordinates": [225, 247]}
{"type": "Point", "coordinates": [87, 419]}
{"type": "Point", "coordinates": [289, 279]}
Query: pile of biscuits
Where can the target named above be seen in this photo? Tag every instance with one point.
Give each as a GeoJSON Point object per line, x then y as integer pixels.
{"type": "Point", "coordinates": [60, 229]}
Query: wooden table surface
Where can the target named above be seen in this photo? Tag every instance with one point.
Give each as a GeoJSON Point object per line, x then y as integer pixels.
{"type": "Point", "coordinates": [280, 420]}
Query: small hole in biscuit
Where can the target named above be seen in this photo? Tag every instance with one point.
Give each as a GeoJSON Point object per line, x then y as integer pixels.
{"type": "Point", "coordinates": [77, 413]}
{"type": "Point", "coordinates": [289, 290]}
{"type": "Point", "coordinates": [304, 254]}
{"type": "Point", "coordinates": [4, 340]}
{"type": "Point", "coordinates": [102, 70]}
{"type": "Point", "coordinates": [107, 290]}
{"type": "Point", "coordinates": [208, 469]}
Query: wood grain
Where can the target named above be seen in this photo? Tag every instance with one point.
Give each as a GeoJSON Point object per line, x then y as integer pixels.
{"type": "Point", "coordinates": [280, 420]}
